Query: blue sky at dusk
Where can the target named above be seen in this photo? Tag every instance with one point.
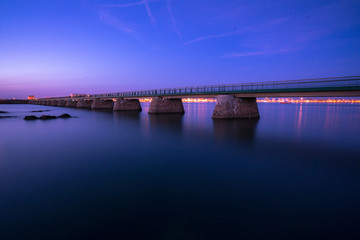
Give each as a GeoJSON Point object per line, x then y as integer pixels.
{"type": "Point", "coordinates": [58, 47]}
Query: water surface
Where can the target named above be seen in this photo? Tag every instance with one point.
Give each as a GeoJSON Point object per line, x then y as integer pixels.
{"type": "Point", "coordinates": [293, 174]}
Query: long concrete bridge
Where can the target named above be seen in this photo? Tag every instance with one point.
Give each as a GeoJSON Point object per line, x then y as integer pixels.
{"type": "Point", "coordinates": [233, 101]}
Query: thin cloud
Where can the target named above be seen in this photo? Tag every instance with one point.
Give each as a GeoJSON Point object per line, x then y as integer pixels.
{"type": "Point", "coordinates": [152, 19]}
{"type": "Point", "coordinates": [232, 33]}
{"type": "Point", "coordinates": [122, 5]}
{"type": "Point", "coordinates": [115, 22]}
{"type": "Point", "coordinates": [257, 53]}
{"type": "Point", "coordinates": [169, 8]}
{"type": "Point", "coordinates": [143, 2]}
{"type": "Point", "coordinates": [221, 35]}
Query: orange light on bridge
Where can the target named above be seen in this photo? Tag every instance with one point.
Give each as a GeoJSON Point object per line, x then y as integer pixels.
{"type": "Point", "coordinates": [269, 100]}
{"type": "Point", "coordinates": [302, 100]}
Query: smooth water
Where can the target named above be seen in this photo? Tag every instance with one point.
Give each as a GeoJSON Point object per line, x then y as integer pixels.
{"type": "Point", "coordinates": [293, 174]}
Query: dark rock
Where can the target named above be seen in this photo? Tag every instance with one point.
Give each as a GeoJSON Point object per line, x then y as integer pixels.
{"type": "Point", "coordinates": [46, 117]}
{"type": "Point", "coordinates": [65, 115]}
{"type": "Point", "coordinates": [3, 112]}
{"type": "Point", "coordinates": [31, 117]}
{"type": "Point", "coordinates": [41, 111]}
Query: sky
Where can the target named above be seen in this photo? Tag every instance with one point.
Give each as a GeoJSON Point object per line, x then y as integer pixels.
{"type": "Point", "coordinates": [54, 48]}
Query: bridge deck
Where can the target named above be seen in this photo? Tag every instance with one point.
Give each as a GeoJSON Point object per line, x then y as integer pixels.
{"type": "Point", "coordinates": [339, 86]}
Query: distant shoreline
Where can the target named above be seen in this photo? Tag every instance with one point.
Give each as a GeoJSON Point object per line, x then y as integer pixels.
{"type": "Point", "coordinates": [13, 101]}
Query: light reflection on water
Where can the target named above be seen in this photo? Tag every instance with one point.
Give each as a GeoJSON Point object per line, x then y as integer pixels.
{"type": "Point", "coordinates": [292, 174]}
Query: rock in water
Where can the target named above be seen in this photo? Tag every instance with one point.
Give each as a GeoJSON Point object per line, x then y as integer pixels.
{"type": "Point", "coordinates": [31, 117]}
{"type": "Point", "coordinates": [46, 117]}
{"type": "Point", "coordinates": [65, 115]}
{"type": "Point", "coordinates": [3, 112]}
{"type": "Point", "coordinates": [41, 111]}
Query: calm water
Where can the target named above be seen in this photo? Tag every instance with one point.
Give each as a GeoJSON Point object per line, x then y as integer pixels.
{"type": "Point", "coordinates": [293, 174]}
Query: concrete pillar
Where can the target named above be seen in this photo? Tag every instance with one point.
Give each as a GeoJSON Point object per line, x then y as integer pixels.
{"type": "Point", "coordinates": [47, 102]}
{"type": "Point", "coordinates": [54, 102]}
{"type": "Point", "coordinates": [84, 104]}
{"type": "Point", "coordinates": [102, 104]}
{"type": "Point", "coordinates": [62, 103]}
{"type": "Point", "coordinates": [162, 105]}
{"type": "Point", "coordinates": [230, 107]}
{"type": "Point", "coordinates": [71, 103]}
{"type": "Point", "coordinates": [127, 105]}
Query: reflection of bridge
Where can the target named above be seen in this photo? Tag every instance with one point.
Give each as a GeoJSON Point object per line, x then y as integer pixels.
{"type": "Point", "coordinates": [233, 101]}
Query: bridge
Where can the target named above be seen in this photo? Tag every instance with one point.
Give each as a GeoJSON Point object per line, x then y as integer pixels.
{"type": "Point", "coordinates": [233, 100]}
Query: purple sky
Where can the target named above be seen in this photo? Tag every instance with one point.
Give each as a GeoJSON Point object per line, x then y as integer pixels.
{"type": "Point", "coordinates": [58, 47]}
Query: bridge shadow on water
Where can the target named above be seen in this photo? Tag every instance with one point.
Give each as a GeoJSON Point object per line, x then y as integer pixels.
{"type": "Point", "coordinates": [242, 130]}
{"type": "Point", "coordinates": [127, 115]}
{"type": "Point", "coordinates": [171, 122]}
{"type": "Point", "coordinates": [129, 120]}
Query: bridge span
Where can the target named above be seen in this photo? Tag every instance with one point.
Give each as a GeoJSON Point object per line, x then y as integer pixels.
{"type": "Point", "coordinates": [233, 100]}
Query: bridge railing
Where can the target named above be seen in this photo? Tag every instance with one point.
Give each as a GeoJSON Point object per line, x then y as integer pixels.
{"type": "Point", "coordinates": [322, 84]}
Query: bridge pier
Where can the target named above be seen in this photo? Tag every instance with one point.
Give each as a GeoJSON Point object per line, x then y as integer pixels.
{"type": "Point", "coordinates": [122, 104]}
{"type": "Point", "coordinates": [54, 103]}
{"type": "Point", "coordinates": [230, 107]}
{"type": "Point", "coordinates": [84, 104]}
{"type": "Point", "coordinates": [61, 103]}
{"type": "Point", "coordinates": [71, 103]}
{"type": "Point", "coordinates": [102, 104]}
{"type": "Point", "coordinates": [163, 105]}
